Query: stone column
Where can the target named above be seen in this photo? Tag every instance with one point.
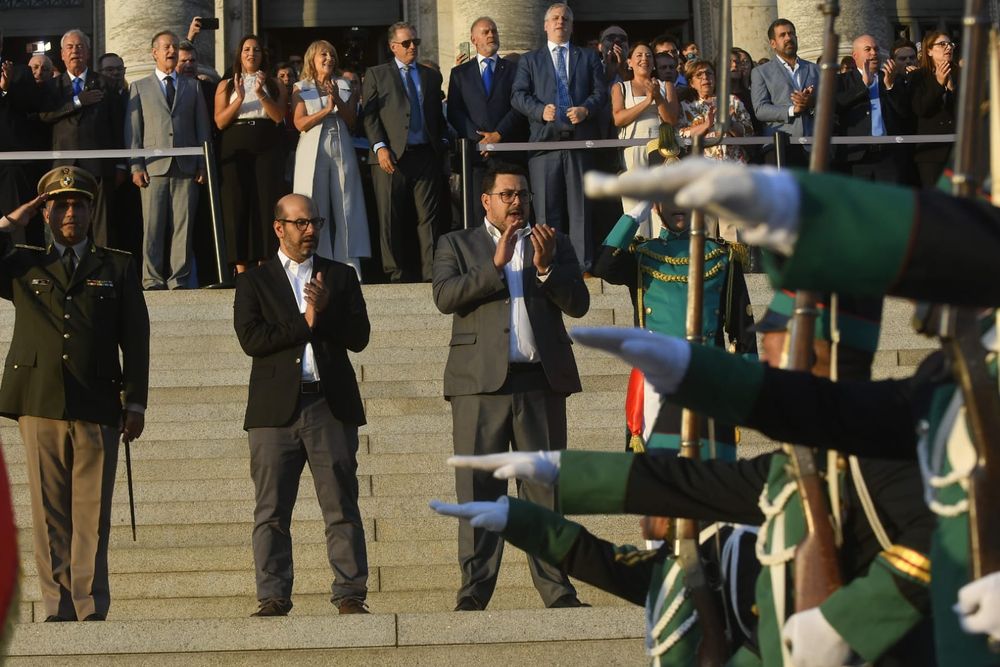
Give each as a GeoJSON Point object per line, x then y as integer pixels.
{"type": "Point", "coordinates": [857, 17]}
{"type": "Point", "coordinates": [751, 19]}
{"type": "Point", "coordinates": [130, 26]}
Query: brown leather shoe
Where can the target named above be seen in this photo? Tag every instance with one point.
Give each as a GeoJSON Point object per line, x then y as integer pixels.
{"type": "Point", "coordinates": [352, 606]}
{"type": "Point", "coordinates": [274, 607]}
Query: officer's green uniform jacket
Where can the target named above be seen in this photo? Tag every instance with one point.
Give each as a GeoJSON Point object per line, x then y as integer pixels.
{"type": "Point", "coordinates": [656, 273]}
{"type": "Point", "coordinates": [886, 593]}
{"type": "Point", "coordinates": [63, 360]}
{"type": "Point", "coordinates": [652, 578]}
{"type": "Point", "coordinates": [930, 246]}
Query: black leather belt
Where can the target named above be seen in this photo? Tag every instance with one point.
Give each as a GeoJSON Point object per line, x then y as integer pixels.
{"type": "Point", "coordinates": [264, 122]}
{"type": "Point", "coordinates": [524, 367]}
{"type": "Point", "coordinates": [311, 387]}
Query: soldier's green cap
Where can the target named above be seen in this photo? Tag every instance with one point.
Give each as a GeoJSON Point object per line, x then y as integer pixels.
{"type": "Point", "coordinates": [68, 179]}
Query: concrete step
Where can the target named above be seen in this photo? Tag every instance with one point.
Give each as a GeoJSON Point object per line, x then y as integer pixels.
{"type": "Point", "coordinates": [326, 632]}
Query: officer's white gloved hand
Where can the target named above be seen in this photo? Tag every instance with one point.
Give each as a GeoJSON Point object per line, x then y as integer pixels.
{"type": "Point", "coordinates": [489, 515]}
{"type": "Point", "coordinates": [762, 200]}
{"type": "Point", "coordinates": [662, 359]}
{"type": "Point", "coordinates": [813, 642]}
{"type": "Point", "coordinates": [978, 606]}
{"type": "Point", "coordinates": [538, 467]}
{"type": "Point", "coordinates": [640, 211]}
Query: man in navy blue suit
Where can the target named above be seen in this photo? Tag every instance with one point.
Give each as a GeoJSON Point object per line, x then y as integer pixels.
{"type": "Point", "coordinates": [479, 105]}
{"type": "Point", "coordinates": [561, 88]}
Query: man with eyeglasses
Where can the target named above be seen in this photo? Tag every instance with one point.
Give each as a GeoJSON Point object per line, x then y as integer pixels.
{"type": "Point", "coordinates": [297, 315]}
{"type": "Point", "coordinates": [510, 364]}
{"type": "Point", "coordinates": [667, 43]}
{"type": "Point", "coordinates": [85, 112]}
{"type": "Point", "coordinates": [405, 125]}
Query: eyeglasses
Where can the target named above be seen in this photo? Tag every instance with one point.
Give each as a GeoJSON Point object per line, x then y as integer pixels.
{"type": "Point", "coordinates": [945, 45]}
{"type": "Point", "coordinates": [407, 42]}
{"type": "Point", "coordinates": [302, 223]}
{"type": "Point", "coordinates": [703, 74]}
{"type": "Point", "coordinates": [507, 196]}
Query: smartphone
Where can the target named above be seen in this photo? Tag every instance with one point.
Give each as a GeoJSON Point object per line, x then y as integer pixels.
{"type": "Point", "coordinates": [465, 48]}
{"type": "Point", "coordinates": [208, 23]}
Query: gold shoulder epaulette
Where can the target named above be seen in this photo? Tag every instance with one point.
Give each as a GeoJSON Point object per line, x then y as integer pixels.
{"type": "Point", "coordinates": [909, 562]}
{"type": "Point", "coordinates": [740, 252]}
{"type": "Point", "coordinates": [25, 246]}
{"type": "Point", "coordinates": [117, 250]}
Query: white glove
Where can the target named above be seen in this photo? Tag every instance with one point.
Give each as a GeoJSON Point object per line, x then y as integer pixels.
{"type": "Point", "coordinates": [640, 211]}
{"type": "Point", "coordinates": [663, 359]}
{"type": "Point", "coordinates": [813, 642]}
{"type": "Point", "coordinates": [762, 200]}
{"type": "Point", "coordinates": [538, 467]}
{"type": "Point", "coordinates": [978, 606]}
{"type": "Point", "coordinates": [489, 515]}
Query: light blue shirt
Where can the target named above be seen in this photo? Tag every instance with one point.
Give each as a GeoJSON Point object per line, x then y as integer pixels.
{"type": "Point", "coordinates": [878, 124]}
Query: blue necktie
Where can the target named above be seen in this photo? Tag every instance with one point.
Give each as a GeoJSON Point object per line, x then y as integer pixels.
{"type": "Point", "coordinates": [488, 76]}
{"type": "Point", "coordinates": [416, 114]}
{"type": "Point", "coordinates": [77, 86]}
{"type": "Point", "coordinates": [563, 101]}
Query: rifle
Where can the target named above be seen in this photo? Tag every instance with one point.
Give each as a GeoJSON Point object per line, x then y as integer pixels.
{"type": "Point", "coordinates": [817, 567]}
{"type": "Point", "coordinates": [713, 651]}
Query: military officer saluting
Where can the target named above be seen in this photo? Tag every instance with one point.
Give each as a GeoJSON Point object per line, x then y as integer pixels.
{"type": "Point", "coordinates": [76, 305]}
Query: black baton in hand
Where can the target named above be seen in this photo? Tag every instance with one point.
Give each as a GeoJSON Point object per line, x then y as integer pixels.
{"type": "Point", "coordinates": [128, 473]}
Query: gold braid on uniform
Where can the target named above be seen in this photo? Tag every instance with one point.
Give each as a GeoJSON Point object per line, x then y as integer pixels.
{"type": "Point", "coordinates": [909, 562]}
{"type": "Point", "coordinates": [679, 261]}
{"type": "Point", "coordinates": [740, 252]}
{"type": "Point", "coordinates": [658, 275]}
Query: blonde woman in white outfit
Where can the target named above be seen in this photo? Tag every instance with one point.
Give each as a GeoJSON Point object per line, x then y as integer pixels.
{"type": "Point", "coordinates": [326, 169]}
{"type": "Point", "coordinates": [639, 106]}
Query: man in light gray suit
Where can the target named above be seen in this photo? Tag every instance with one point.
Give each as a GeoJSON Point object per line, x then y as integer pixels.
{"type": "Point", "coordinates": [167, 111]}
{"type": "Point", "coordinates": [783, 91]}
{"type": "Point", "coordinates": [510, 366]}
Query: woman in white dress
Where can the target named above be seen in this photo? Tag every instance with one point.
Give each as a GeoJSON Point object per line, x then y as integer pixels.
{"type": "Point", "coordinates": [326, 169]}
{"type": "Point", "coordinates": [638, 107]}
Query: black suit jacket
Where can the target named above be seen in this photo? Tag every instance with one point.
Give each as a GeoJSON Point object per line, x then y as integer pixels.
{"type": "Point", "coordinates": [386, 107]}
{"type": "Point", "coordinates": [854, 116]}
{"type": "Point", "coordinates": [22, 99]}
{"type": "Point", "coordinates": [90, 127]}
{"type": "Point", "coordinates": [471, 109]}
{"type": "Point", "coordinates": [934, 108]}
{"type": "Point", "coordinates": [272, 331]}
{"type": "Point", "coordinates": [467, 285]}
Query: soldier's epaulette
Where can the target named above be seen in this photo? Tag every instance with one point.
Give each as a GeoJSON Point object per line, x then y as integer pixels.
{"type": "Point", "coordinates": [117, 250]}
{"type": "Point", "coordinates": [909, 562]}
{"type": "Point", "coordinates": [631, 556]}
{"type": "Point", "coordinates": [740, 252]}
{"type": "Point", "coordinates": [25, 246]}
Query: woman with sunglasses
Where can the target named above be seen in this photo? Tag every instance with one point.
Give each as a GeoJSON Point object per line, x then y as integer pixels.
{"type": "Point", "coordinates": [249, 109]}
{"type": "Point", "coordinates": [933, 94]}
{"type": "Point", "coordinates": [324, 108]}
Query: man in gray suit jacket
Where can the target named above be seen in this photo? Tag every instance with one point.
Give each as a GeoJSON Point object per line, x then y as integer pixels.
{"type": "Point", "coordinates": [167, 111]}
{"type": "Point", "coordinates": [561, 89]}
{"type": "Point", "coordinates": [783, 91]}
{"type": "Point", "coordinates": [510, 366]}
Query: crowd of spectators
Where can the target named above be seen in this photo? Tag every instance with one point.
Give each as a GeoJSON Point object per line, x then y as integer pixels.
{"type": "Point", "coordinates": [378, 150]}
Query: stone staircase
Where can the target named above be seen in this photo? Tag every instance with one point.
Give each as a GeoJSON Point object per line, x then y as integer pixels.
{"type": "Point", "coordinates": [183, 592]}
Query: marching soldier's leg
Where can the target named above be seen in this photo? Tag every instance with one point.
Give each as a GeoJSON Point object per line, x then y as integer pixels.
{"type": "Point", "coordinates": [95, 459]}
{"type": "Point", "coordinates": [48, 460]}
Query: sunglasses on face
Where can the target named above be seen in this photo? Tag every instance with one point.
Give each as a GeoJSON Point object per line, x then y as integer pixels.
{"type": "Point", "coordinates": [406, 43]}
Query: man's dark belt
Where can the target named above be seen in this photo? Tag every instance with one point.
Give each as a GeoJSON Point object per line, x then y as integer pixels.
{"type": "Point", "coordinates": [524, 367]}
{"type": "Point", "coordinates": [263, 122]}
{"type": "Point", "coordinates": [311, 387]}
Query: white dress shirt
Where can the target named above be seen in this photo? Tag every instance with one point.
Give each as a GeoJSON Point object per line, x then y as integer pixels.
{"type": "Point", "coordinates": [555, 58]}
{"type": "Point", "coordinates": [522, 338]}
{"type": "Point", "coordinates": [298, 275]}
{"type": "Point", "coordinates": [482, 62]}
{"type": "Point", "coordinates": [162, 76]}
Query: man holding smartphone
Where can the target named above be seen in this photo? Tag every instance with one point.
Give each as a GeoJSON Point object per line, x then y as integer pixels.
{"type": "Point", "coordinates": [783, 91]}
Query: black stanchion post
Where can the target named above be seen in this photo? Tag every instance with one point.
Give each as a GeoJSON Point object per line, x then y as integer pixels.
{"type": "Point", "coordinates": [781, 149]}
{"type": "Point", "coordinates": [218, 235]}
{"type": "Point", "coordinates": [465, 155]}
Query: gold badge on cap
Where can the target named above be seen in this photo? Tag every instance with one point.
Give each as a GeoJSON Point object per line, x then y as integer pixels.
{"type": "Point", "coordinates": [67, 180]}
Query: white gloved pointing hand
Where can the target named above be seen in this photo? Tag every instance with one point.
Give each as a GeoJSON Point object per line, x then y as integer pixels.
{"type": "Point", "coordinates": [663, 359]}
{"type": "Point", "coordinates": [538, 467]}
{"type": "Point", "coordinates": [489, 515]}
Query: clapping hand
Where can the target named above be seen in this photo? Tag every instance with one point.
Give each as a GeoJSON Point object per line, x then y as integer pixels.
{"type": "Point", "coordinates": [6, 69]}
{"type": "Point", "coordinates": [505, 246]}
{"type": "Point", "coordinates": [538, 467]}
{"type": "Point", "coordinates": [889, 72]}
{"type": "Point", "coordinates": [543, 240]}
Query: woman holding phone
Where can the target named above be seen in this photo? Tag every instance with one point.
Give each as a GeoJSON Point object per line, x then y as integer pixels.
{"type": "Point", "coordinates": [249, 108]}
{"type": "Point", "coordinates": [324, 108]}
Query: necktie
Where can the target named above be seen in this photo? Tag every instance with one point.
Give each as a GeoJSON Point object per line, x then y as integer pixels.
{"type": "Point", "coordinates": [169, 83]}
{"type": "Point", "coordinates": [69, 261]}
{"type": "Point", "coordinates": [563, 101]}
{"type": "Point", "coordinates": [77, 86]}
{"type": "Point", "coordinates": [416, 115]}
{"type": "Point", "coordinates": [488, 76]}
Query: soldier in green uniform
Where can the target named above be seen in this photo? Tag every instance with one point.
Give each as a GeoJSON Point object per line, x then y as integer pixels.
{"type": "Point", "coordinates": [655, 272]}
{"type": "Point", "coordinates": [925, 245]}
{"type": "Point", "coordinates": [76, 306]}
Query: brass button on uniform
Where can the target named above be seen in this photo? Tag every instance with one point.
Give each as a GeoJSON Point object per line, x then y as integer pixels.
{"type": "Point", "coordinates": [66, 316]}
{"type": "Point", "coordinates": [298, 361]}
{"type": "Point", "coordinates": [648, 310]}
{"type": "Point", "coordinates": [66, 335]}
{"type": "Point", "coordinates": [65, 357]}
